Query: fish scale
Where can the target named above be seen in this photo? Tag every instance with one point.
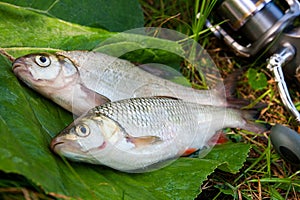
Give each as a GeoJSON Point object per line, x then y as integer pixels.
{"type": "Point", "coordinates": [81, 80]}
{"type": "Point", "coordinates": [143, 134]}
{"type": "Point", "coordinates": [137, 110]}
{"type": "Point", "coordinates": [122, 132]}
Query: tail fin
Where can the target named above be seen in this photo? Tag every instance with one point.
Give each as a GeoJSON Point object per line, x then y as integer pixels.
{"type": "Point", "coordinates": [230, 83]}
{"type": "Point", "coordinates": [249, 117]}
{"type": "Point", "coordinates": [238, 103]}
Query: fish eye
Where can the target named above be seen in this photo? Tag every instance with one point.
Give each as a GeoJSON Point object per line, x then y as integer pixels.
{"type": "Point", "coordinates": [43, 61]}
{"type": "Point", "coordinates": [82, 130]}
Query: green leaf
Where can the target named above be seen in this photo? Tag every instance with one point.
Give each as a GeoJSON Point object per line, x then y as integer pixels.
{"type": "Point", "coordinates": [257, 80]}
{"type": "Point", "coordinates": [138, 47]}
{"type": "Point", "coordinates": [28, 122]}
{"type": "Point", "coordinates": [113, 16]}
{"type": "Point", "coordinates": [231, 155]}
{"type": "Point", "coordinates": [26, 31]}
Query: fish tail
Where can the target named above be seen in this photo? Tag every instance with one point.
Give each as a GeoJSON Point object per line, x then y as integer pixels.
{"type": "Point", "coordinates": [249, 117]}
{"type": "Point", "coordinates": [239, 103]}
{"type": "Point", "coordinates": [230, 84]}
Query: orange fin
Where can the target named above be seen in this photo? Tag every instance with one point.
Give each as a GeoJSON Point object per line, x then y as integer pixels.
{"type": "Point", "coordinates": [222, 138]}
{"type": "Point", "coordinates": [189, 151]}
{"type": "Point", "coordinates": [143, 141]}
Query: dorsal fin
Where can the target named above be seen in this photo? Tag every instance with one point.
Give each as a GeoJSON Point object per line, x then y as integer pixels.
{"type": "Point", "coordinates": [167, 97]}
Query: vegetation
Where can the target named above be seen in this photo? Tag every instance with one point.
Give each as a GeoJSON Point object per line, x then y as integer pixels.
{"type": "Point", "coordinates": [264, 175]}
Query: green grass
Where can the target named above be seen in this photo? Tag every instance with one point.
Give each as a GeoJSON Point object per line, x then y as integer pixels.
{"type": "Point", "coordinates": [265, 175]}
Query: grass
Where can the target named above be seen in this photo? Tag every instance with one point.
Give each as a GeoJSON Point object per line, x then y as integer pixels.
{"type": "Point", "coordinates": [265, 175]}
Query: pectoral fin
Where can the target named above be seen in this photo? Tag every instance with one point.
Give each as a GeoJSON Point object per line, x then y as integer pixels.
{"type": "Point", "coordinates": [94, 96]}
{"type": "Point", "coordinates": [143, 141]}
{"type": "Point", "coordinates": [189, 151]}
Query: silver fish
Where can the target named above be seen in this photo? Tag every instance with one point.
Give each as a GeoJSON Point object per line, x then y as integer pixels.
{"type": "Point", "coordinates": [81, 80]}
{"type": "Point", "coordinates": [133, 135]}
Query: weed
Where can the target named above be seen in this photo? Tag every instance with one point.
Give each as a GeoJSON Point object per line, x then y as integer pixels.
{"type": "Point", "coordinates": [265, 174]}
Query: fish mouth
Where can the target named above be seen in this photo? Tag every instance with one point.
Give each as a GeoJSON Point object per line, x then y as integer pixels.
{"type": "Point", "coordinates": [68, 149]}
{"type": "Point", "coordinates": [60, 145]}
{"type": "Point", "coordinates": [18, 63]}
{"type": "Point", "coordinates": [19, 67]}
{"type": "Point", "coordinates": [55, 143]}
{"type": "Point", "coordinates": [22, 72]}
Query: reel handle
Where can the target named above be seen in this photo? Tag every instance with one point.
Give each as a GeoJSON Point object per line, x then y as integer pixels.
{"type": "Point", "coordinates": [275, 63]}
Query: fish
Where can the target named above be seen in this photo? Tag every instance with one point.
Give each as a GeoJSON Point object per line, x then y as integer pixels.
{"type": "Point", "coordinates": [144, 134]}
{"type": "Point", "coordinates": [81, 80]}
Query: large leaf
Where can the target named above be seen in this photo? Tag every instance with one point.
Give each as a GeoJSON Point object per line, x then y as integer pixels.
{"type": "Point", "coordinates": [233, 159]}
{"type": "Point", "coordinates": [28, 122]}
{"type": "Point", "coordinates": [113, 15]}
{"type": "Point", "coordinates": [23, 30]}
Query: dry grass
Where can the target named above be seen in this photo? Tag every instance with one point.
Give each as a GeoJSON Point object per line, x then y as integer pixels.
{"type": "Point", "coordinates": [265, 175]}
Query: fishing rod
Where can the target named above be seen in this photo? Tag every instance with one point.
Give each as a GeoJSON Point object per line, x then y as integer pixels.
{"type": "Point", "coordinates": [252, 27]}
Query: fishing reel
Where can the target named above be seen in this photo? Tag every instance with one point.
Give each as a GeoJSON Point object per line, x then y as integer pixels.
{"type": "Point", "coordinates": [253, 27]}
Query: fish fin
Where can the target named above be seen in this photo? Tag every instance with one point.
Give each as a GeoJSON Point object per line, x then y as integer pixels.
{"type": "Point", "coordinates": [250, 125]}
{"type": "Point", "coordinates": [243, 103]}
{"type": "Point", "coordinates": [167, 97]}
{"type": "Point", "coordinates": [225, 90]}
{"type": "Point", "coordinates": [221, 137]}
{"type": "Point", "coordinates": [143, 141]}
{"type": "Point", "coordinates": [98, 98]}
{"type": "Point", "coordinates": [229, 88]}
{"type": "Point", "coordinates": [230, 82]}
{"type": "Point", "coordinates": [189, 151]}
{"type": "Point", "coordinates": [160, 70]}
